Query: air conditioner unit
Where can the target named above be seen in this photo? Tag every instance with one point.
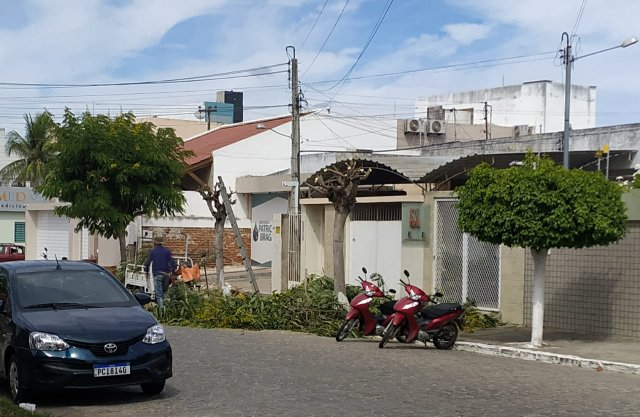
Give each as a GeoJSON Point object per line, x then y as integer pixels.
{"type": "Point", "coordinates": [520, 130]}
{"type": "Point", "coordinates": [437, 126]}
{"type": "Point", "coordinates": [414, 126]}
{"type": "Point", "coordinates": [147, 234]}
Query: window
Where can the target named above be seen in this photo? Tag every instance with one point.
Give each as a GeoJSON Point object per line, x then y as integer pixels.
{"type": "Point", "coordinates": [19, 232]}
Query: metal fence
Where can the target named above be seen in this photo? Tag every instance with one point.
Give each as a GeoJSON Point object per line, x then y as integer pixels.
{"type": "Point", "coordinates": [293, 255]}
{"type": "Point", "coordinates": [464, 268]}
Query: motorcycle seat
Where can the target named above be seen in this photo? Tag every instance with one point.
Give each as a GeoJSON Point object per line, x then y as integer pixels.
{"type": "Point", "coordinates": [386, 308]}
{"type": "Point", "coordinates": [437, 310]}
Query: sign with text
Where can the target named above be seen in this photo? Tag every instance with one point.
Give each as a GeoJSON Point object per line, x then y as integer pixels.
{"type": "Point", "coordinates": [263, 231]}
{"type": "Point", "coordinates": [17, 198]}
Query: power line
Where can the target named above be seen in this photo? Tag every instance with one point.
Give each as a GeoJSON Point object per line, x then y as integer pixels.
{"type": "Point", "coordinates": [198, 78]}
{"type": "Point", "coordinates": [366, 45]}
{"type": "Point", "coordinates": [579, 18]}
{"type": "Point", "coordinates": [327, 38]}
{"type": "Point", "coordinates": [314, 24]}
{"type": "Point", "coordinates": [452, 67]}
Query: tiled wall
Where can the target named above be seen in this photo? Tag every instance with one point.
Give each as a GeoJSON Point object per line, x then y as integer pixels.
{"type": "Point", "coordinates": [594, 290]}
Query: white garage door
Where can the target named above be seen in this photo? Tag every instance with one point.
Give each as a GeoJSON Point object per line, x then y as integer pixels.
{"type": "Point", "coordinates": [84, 244]}
{"type": "Point", "coordinates": [53, 234]}
{"type": "Point", "coordinates": [376, 245]}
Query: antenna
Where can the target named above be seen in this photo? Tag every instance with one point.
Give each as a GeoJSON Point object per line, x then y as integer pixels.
{"type": "Point", "coordinates": [58, 267]}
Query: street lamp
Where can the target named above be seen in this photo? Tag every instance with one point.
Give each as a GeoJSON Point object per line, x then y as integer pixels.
{"type": "Point", "coordinates": [568, 60]}
{"type": "Point", "coordinates": [199, 114]}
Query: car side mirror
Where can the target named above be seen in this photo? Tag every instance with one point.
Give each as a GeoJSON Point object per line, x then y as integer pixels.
{"type": "Point", "coordinates": [142, 298]}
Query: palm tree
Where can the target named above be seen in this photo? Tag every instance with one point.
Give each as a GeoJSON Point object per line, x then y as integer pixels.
{"type": "Point", "coordinates": [34, 150]}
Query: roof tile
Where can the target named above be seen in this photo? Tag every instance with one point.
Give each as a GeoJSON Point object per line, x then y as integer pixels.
{"type": "Point", "coordinates": [204, 144]}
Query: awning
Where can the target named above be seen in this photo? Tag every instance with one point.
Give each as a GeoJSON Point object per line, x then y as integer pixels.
{"type": "Point", "coordinates": [619, 164]}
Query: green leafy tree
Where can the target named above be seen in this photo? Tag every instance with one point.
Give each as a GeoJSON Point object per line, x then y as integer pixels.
{"type": "Point", "coordinates": [540, 205]}
{"type": "Point", "coordinates": [111, 170]}
{"type": "Point", "coordinates": [34, 150]}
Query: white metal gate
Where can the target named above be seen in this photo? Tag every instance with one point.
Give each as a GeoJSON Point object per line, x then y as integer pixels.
{"type": "Point", "coordinates": [53, 234]}
{"type": "Point", "coordinates": [376, 245]}
{"type": "Point", "coordinates": [293, 255]}
{"type": "Point", "coordinates": [464, 267]}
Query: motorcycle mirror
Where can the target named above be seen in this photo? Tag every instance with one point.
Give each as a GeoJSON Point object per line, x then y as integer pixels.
{"type": "Point", "coordinates": [406, 273]}
{"type": "Point", "coordinates": [392, 291]}
{"type": "Point", "coordinates": [438, 294]}
{"type": "Point", "coordinates": [364, 269]}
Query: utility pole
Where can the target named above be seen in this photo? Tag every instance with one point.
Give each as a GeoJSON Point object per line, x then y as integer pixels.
{"type": "Point", "coordinates": [295, 225]}
{"type": "Point", "coordinates": [295, 136]}
{"type": "Point", "coordinates": [208, 111]}
{"type": "Point", "coordinates": [486, 122]}
{"type": "Point", "coordinates": [567, 59]}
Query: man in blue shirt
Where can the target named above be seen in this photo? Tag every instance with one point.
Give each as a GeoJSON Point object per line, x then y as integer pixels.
{"type": "Point", "coordinates": [162, 264]}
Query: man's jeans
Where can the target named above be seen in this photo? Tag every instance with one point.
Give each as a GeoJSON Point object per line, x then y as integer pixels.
{"type": "Point", "coordinates": [158, 287]}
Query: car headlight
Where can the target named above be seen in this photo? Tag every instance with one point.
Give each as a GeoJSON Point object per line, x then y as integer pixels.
{"type": "Point", "coordinates": [369, 293]}
{"type": "Point", "coordinates": [155, 334]}
{"type": "Point", "coordinates": [414, 297]}
{"type": "Point", "coordinates": [46, 341]}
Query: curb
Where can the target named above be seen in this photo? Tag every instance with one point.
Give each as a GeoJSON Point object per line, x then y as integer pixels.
{"type": "Point", "coordinates": [547, 357]}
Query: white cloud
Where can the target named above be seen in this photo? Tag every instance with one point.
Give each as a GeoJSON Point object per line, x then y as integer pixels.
{"type": "Point", "coordinates": [81, 41]}
{"type": "Point", "coordinates": [467, 33]}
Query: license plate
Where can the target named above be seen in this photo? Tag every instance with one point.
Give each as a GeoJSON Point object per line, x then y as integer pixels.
{"type": "Point", "coordinates": [111, 370]}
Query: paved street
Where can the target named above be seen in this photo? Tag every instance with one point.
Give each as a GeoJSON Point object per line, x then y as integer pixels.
{"type": "Point", "coordinates": [241, 373]}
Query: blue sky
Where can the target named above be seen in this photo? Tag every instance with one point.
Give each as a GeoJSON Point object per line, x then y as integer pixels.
{"type": "Point", "coordinates": [107, 41]}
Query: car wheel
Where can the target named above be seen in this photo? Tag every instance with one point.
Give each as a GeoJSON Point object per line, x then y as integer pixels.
{"type": "Point", "coordinates": [16, 381]}
{"type": "Point", "coordinates": [153, 388]}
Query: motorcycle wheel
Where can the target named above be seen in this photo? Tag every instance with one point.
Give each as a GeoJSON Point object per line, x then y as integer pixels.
{"type": "Point", "coordinates": [345, 329]}
{"type": "Point", "coordinates": [388, 334]}
{"type": "Point", "coordinates": [402, 337]}
{"type": "Point", "coordinates": [446, 336]}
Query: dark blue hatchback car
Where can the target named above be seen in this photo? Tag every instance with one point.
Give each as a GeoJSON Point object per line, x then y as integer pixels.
{"type": "Point", "coordinates": [73, 325]}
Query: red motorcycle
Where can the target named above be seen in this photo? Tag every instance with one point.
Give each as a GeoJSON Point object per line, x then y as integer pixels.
{"type": "Point", "coordinates": [360, 312]}
{"type": "Point", "coordinates": [437, 323]}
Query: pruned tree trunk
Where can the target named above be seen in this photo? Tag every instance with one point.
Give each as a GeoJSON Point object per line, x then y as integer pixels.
{"type": "Point", "coordinates": [338, 252]}
{"type": "Point", "coordinates": [219, 241]}
{"type": "Point", "coordinates": [537, 315]}
{"type": "Point", "coordinates": [123, 246]}
{"type": "Point", "coordinates": [218, 210]}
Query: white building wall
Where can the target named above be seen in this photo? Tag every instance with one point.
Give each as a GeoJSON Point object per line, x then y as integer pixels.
{"type": "Point", "coordinates": [539, 104]}
{"type": "Point", "coordinates": [270, 151]}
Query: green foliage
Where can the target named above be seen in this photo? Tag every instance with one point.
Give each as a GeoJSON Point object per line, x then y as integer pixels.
{"type": "Point", "coordinates": [34, 150]}
{"type": "Point", "coordinates": [9, 409]}
{"type": "Point", "coordinates": [473, 318]}
{"type": "Point", "coordinates": [541, 205]}
{"type": "Point", "coordinates": [114, 169]}
{"type": "Point", "coordinates": [139, 260]}
{"type": "Point", "coordinates": [311, 307]}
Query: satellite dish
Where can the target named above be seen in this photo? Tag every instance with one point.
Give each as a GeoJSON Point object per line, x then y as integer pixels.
{"type": "Point", "coordinates": [199, 114]}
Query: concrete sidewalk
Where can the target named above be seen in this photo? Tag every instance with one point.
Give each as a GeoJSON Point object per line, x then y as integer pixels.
{"type": "Point", "coordinates": [603, 354]}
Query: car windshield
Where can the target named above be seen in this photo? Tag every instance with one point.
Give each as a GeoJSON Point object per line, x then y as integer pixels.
{"type": "Point", "coordinates": [69, 289]}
